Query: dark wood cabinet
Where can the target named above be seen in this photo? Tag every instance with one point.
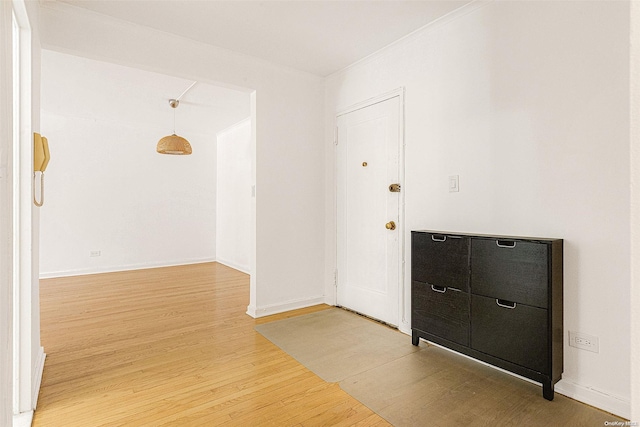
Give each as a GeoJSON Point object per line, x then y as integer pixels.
{"type": "Point", "coordinates": [511, 269]}
{"type": "Point", "coordinates": [441, 309]}
{"type": "Point", "coordinates": [441, 260]}
{"type": "Point", "coordinates": [517, 333]}
{"type": "Point", "coordinates": [495, 298]}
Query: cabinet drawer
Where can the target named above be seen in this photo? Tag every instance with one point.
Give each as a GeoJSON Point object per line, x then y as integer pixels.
{"type": "Point", "coordinates": [510, 269]}
{"type": "Point", "coordinates": [440, 311]}
{"type": "Point", "coordinates": [440, 259]}
{"type": "Point", "coordinates": [518, 335]}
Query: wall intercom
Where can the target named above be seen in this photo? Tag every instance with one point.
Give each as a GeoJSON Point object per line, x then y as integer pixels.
{"type": "Point", "coordinates": [41, 158]}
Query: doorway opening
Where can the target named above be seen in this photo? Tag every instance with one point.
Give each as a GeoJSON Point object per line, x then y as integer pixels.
{"type": "Point", "coordinates": [114, 203]}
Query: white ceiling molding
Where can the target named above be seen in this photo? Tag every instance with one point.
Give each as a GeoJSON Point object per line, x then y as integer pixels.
{"type": "Point", "coordinates": [318, 37]}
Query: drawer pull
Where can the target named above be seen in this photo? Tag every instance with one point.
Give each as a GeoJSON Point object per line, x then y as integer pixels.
{"type": "Point", "coordinates": [506, 304]}
{"type": "Point", "coordinates": [438, 238]}
{"type": "Point", "coordinates": [440, 289]}
{"type": "Point", "coordinates": [505, 244]}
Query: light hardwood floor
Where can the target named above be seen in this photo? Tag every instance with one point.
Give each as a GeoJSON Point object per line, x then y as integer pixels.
{"type": "Point", "coordinates": [174, 347]}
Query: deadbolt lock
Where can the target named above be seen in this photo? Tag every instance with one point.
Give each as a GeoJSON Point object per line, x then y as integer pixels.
{"type": "Point", "coordinates": [390, 225]}
{"type": "Point", "coordinates": [394, 188]}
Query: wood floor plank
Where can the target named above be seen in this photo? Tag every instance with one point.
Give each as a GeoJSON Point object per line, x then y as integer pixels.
{"type": "Point", "coordinates": [173, 346]}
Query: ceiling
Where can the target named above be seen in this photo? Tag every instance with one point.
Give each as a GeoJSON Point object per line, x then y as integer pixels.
{"type": "Point", "coordinates": [319, 37]}
{"type": "Point", "coordinates": [86, 89]}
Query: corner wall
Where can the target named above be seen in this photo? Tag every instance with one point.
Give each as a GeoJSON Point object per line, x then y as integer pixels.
{"type": "Point", "coordinates": [234, 194]}
{"type": "Point", "coordinates": [528, 103]}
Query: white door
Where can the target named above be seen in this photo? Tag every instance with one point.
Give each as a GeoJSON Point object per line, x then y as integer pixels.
{"type": "Point", "coordinates": [368, 213]}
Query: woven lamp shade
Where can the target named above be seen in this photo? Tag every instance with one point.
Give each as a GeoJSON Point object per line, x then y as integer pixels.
{"type": "Point", "coordinates": [173, 144]}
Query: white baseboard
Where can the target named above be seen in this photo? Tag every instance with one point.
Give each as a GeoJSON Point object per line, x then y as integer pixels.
{"type": "Point", "coordinates": [115, 268]}
{"type": "Point", "coordinates": [242, 268]}
{"type": "Point", "coordinates": [607, 402]}
{"type": "Point", "coordinates": [23, 419]}
{"type": "Point", "coordinates": [405, 328]}
{"type": "Point", "coordinates": [267, 310]}
{"type": "Point", "coordinates": [38, 370]}
{"type": "Point", "coordinates": [612, 404]}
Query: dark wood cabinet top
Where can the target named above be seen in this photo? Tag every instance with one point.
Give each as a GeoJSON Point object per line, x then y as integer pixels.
{"type": "Point", "coordinates": [490, 236]}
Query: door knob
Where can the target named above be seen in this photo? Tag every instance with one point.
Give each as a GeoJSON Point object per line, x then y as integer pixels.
{"type": "Point", "coordinates": [390, 225]}
{"type": "Point", "coordinates": [394, 188]}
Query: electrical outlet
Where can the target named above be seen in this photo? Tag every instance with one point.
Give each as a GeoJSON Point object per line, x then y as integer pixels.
{"type": "Point", "coordinates": [94, 253]}
{"type": "Point", "coordinates": [584, 341]}
{"type": "Point", "coordinates": [454, 183]}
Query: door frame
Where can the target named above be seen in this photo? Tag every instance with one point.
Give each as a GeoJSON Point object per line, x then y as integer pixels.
{"type": "Point", "coordinates": [399, 92]}
{"type": "Point", "coordinates": [27, 353]}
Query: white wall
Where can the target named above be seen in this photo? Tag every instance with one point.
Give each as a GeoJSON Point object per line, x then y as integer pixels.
{"type": "Point", "coordinates": [288, 138]}
{"type": "Point", "coordinates": [6, 218]}
{"type": "Point", "coordinates": [108, 190]}
{"type": "Point", "coordinates": [106, 187]}
{"type": "Point", "coordinates": [233, 219]}
{"type": "Point", "coordinates": [528, 102]}
{"type": "Point", "coordinates": [635, 210]}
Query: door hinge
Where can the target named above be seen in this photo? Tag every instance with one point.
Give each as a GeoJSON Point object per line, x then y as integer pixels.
{"type": "Point", "coordinates": [335, 278]}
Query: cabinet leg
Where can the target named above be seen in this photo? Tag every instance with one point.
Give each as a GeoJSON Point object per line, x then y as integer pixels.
{"type": "Point", "coordinates": [415, 339]}
{"type": "Point", "coordinates": [547, 390]}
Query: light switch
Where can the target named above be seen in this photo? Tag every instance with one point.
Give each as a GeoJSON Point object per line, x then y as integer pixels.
{"type": "Point", "coordinates": [454, 183]}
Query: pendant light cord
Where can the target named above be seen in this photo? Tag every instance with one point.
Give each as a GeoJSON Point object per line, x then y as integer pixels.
{"type": "Point", "coordinates": [175, 102]}
{"type": "Point", "coordinates": [187, 90]}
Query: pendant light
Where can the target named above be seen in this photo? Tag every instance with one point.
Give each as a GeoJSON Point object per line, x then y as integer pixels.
{"type": "Point", "coordinates": [174, 144]}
